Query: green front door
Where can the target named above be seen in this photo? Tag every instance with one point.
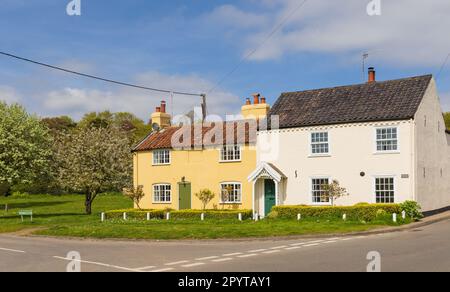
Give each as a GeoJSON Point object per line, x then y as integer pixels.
{"type": "Point", "coordinates": [269, 196]}
{"type": "Point", "coordinates": [185, 196]}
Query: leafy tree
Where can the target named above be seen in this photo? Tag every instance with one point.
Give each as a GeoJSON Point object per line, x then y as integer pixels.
{"type": "Point", "coordinates": [135, 194]}
{"type": "Point", "coordinates": [92, 161]}
{"type": "Point", "coordinates": [58, 125]}
{"type": "Point", "coordinates": [205, 196]}
{"type": "Point", "coordinates": [334, 191]}
{"type": "Point", "coordinates": [447, 120]}
{"type": "Point", "coordinates": [25, 147]}
{"type": "Point", "coordinates": [97, 120]}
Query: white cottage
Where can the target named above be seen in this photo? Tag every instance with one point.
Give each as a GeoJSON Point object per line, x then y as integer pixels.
{"type": "Point", "coordinates": [385, 142]}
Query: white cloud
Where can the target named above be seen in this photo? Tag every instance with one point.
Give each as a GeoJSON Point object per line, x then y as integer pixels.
{"type": "Point", "coordinates": [9, 94]}
{"type": "Point", "coordinates": [76, 102]}
{"type": "Point", "coordinates": [409, 32]}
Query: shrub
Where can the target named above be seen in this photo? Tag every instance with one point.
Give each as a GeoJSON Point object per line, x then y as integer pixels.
{"type": "Point", "coordinates": [360, 213]}
{"type": "Point", "coordinates": [211, 214]}
{"type": "Point", "coordinates": [412, 209]}
{"type": "Point", "coordinates": [136, 214]}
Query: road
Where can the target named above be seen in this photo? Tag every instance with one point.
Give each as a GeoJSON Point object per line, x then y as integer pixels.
{"type": "Point", "coordinates": [424, 249]}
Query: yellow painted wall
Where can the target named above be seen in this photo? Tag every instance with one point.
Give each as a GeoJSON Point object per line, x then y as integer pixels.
{"type": "Point", "coordinates": [202, 169]}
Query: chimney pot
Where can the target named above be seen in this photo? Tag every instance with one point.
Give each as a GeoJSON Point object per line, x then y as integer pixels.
{"type": "Point", "coordinates": [372, 75]}
{"type": "Point", "coordinates": [263, 100]}
{"type": "Point", "coordinates": [248, 102]}
{"type": "Point", "coordinates": [163, 106]}
{"type": "Point", "coordinates": [158, 109]}
{"type": "Point", "coordinates": [256, 98]}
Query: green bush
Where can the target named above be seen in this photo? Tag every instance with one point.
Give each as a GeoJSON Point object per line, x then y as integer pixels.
{"type": "Point", "coordinates": [211, 214]}
{"type": "Point", "coordinates": [181, 215]}
{"type": "Point", "coordinates": [412, 209]}
{"type": "Point", "coordinates": [360, 212]}
{"type": "Point", "coordinates": [135, 214]}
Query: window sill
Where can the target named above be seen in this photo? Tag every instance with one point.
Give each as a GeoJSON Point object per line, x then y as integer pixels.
{"type": "Point", "coordinates": [319, 155]}
{"type": "Point", "coordinates": [163, 164]}
{"type": "Point", "coordinates": [386, 152]}
{"type": "Point", "coordinates": [161, 203]}
{"type": "Point", "coordinates": [230, 161]}
{"type": "Point", "coordinates": [321, 204]}
{"type": "Point", "coordinates": [230, 203]}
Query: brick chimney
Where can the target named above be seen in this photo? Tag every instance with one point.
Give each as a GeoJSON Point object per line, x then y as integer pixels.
{"type": "Point", "coordinates": [372, 75]}
{"type": "Point", "coordinates": [259, 108]}
{"type": "Point", "coordinates": [161, 117]}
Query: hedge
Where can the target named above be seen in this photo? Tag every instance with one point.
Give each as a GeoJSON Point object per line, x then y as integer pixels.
{"type": "Point", "coordinates": [184, 214]}
{"type": "Point", "coordinates": [358, 212]}
{"type": "Point", "coordinates": [211, 214]}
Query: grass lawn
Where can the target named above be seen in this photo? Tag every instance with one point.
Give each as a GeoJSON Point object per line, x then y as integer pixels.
{"type": "Point", "coordinates": [63, 216]}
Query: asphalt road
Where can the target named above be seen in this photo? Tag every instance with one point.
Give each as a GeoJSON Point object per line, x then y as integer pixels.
{"type": "Point", "coordinates": [424, 249]}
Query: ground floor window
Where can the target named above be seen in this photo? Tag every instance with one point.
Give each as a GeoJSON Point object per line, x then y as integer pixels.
{"type": "Point", "coordinates": [385, 190]}
{"type": "Point", "coordinates": [162, 193]}
{"type": "Point", "coordinates": [231, 192]}
{"type": "Point", "coordinates": [319, 194]}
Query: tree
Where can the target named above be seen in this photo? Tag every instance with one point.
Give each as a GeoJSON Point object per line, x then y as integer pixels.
{"type": "Point", "coordinates": [205, 196]}
{"type": "Point", "coordinates": [334, 191]}
{"type": "Point", "coordinates": [135, 194]}
{"type": "Point", "coordinates": [25, 147]}
{"type": "Point", "coordinates": [447, 120]}
{"type": "Point", "coordinates": [92, 161]}
{"type": "Point", "coordinates": [59, 125]}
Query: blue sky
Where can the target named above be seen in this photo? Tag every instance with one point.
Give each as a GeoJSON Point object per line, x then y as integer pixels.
{"type": "Point", "coordinates": [191, 45]}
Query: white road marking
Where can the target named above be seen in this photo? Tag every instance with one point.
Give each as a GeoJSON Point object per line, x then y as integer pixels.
{"type": "Point", "coordinates": [145, 268]}
{"type": "Point", "coordinates": [271, 251]}
{"type": "Point", "coordinates": [279, 247]}
{"type": "Point", "coordinates": [12, 250]}
{"type": "Point", "coordinates": [330, 241]}
{"type": "Point", "coordinates": [207, 258]}
{"type": "Point", "coordinates": [177, 263]}
{"type": "Point", "coordinates": [161, 270]}
{"type": "Point", "coordinates": [232, 254]}
{"type": "Point", "coordinates": [97, 264]}
{"type": "Point", "coordinates": [292, 248]}
{"type": "Point", "coordinates": [313, 244]}
{"type": "Point", "coordinates": [306, 242]}
{"type": "Point", "coordinates": [223, 260]}
{"type": "Point", "coordinates": [248, 255]}
{"type": "Point", "coordinates": [257, 250]}
{"type": "Point", "coordinates": [193, 265]}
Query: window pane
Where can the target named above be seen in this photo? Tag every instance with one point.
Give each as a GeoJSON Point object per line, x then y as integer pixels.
{"type": "Point", "coordinates": [318, 191]}
{"type": "Point", "coordinates": [385, 190]}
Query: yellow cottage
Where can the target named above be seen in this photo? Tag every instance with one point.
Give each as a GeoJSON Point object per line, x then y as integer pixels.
{"type": "Point", "coordinates": [174, 163]}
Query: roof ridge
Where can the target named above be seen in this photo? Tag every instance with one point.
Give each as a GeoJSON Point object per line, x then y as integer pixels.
{"type": "Point", "coordinates": [360, 84]}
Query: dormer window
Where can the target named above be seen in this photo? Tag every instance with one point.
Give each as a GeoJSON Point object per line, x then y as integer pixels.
{"type": "Point", "coordinates": [387, 139]}
{"type": "Point", "coordinates": [161, 157]}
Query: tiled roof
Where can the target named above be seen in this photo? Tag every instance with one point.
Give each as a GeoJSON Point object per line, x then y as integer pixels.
{"type": "Point", "coordinates": [208, 137]}
{"type": "Point", "coordinates": [377, 101]}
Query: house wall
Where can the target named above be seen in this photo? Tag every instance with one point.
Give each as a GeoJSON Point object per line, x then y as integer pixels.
{"type": "Point", "coordinates": [201, 168]}
{"type": "Point", "coordinates": [352, 151]}
{"type": "Point", "coordinates": [433, 153]}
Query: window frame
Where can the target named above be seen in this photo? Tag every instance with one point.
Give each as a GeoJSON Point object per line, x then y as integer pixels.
{"type": "Point", "coordinates": [376, 151]}
{"type": "Point", "coordinates": [230, 202]}
{"type": "Point", "coordinates": [311, 187]}
{"type": "Point", "coordinates": [156, 163]}
{"type": "Point", "coordinates": [154, 193]}
{"type": "Point", "coordinates": [394, 178]}
{"type": "Point", "coordinates": [224, 149]}
{"type": "Point", "coordinates": [311, 144]}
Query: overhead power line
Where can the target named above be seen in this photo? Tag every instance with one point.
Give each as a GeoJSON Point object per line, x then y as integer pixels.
{"type": "Point", "coordinates": [99, 78]}
{"type": "Point", "coordinates": [279, 26]}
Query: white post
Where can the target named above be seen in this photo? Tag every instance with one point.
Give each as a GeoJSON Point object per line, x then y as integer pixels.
{"type": "Point", "coordinates": [124, 216]}
{"type": "Point", "coordinates": [103, 217]}
{"type": "Point", "coordinates": [404, 215]}
{"type": "Point", "coordinates": [167, 216]}
{"type": "Point", "coordinates": [394, 218]}
{"type": "Point", "coordinates": [240, 216]}
{"type": "Point", "coordinates": [202, 217]}
{"type": "Point", "coordinates": [256, 217]}
{"type": "Point", "coordinates": [299, 217]}
{"type": "Point", "coordinates": [344, 217]}
{"type": "Point", "coordinates": [148, 216]}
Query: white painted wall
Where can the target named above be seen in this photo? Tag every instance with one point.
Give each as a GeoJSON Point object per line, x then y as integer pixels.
{"type": "Point", "coordinates": [352, 149]}
{"type": "Point", "coordinates": [433, 153]}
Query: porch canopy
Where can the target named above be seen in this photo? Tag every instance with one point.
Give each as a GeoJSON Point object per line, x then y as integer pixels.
{"type": "Point", "coordinates": [263, 172]}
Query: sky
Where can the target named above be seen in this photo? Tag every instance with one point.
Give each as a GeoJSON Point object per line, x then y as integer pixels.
{"type": "Point", "coordinates": [193, 45]}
